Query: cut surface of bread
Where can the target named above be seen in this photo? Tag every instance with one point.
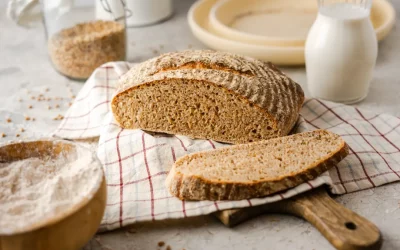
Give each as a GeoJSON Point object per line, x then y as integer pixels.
{"type": "Point", "coordinates": [255, 169]}
{"type": "Point", "coordinates": [208, 95]}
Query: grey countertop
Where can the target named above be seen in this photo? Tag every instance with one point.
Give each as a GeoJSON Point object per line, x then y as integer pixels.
{"type": "Point", "coordinates": [25, 70]}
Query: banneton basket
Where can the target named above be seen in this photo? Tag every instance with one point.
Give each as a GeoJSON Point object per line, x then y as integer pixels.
{"type": "Point", "coordinates": [69, 229]}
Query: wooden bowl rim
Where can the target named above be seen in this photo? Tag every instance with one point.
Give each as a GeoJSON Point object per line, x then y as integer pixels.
{"type": "Point", "coordinates": [74, 208]}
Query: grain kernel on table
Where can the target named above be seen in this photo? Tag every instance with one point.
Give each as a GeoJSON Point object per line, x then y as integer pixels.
{"type": "Point", "coordinates": [17, 135]}
{"type": "Point", "coordinates": [57, 105]}
{"type": "Point", "coordinates": [161, 243]}
{"type": "Point", "coordinates": [8, 120]}
{"type": "Point", "coordinates": [22, 129]}
{"type": "Point", "coordinates": [30, 106]}
{"type": "Point", "coordinates": [3, 135]}
{"type": "Point", "coordinates": [27, 118]}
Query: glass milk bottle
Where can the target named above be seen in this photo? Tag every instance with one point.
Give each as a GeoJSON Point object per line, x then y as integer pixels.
{"type": "Point", "coordinates": [341, 51]}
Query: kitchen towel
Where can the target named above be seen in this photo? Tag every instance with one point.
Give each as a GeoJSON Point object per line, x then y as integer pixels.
{"type": "Point", "coordinates": [136, 163]}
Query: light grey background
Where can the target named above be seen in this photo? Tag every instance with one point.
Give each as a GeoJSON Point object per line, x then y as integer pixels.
{"type": "Point", "coordinates": [24, 66]}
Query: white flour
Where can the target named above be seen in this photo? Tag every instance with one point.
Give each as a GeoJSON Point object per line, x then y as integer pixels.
{"type": "Point", "coordinates": [36, 189]}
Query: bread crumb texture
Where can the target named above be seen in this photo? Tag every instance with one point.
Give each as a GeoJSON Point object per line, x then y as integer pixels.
{"type": "Point", "coordinates": [35, 189]}
{"type": "Point", "coordinates": [256, 169]}
{"type": "Point", "coordinates": [208, 95]}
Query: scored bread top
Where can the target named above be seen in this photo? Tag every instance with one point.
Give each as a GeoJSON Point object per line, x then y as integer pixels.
{"type": "Point", "coordinates": [260, 83]}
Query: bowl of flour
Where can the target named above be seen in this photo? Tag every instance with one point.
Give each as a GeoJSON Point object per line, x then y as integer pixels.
{"type": "Point", "coordinates": [50, 191]}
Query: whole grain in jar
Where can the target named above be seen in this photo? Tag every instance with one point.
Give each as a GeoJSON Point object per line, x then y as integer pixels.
{"type": "Point", "coordinates": [77, 51]}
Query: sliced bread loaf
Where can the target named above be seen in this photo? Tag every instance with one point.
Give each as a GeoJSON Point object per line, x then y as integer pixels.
{"type": "Point", "coordinates": [209, 95]}
{"type": "Point", "coordinates": [255, 169]}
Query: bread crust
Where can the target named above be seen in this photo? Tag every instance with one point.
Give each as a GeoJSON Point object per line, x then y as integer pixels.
{"type": "Point", "coordinates": [260, 83]}
{"type": "Point", "coordinates": [197, 188]}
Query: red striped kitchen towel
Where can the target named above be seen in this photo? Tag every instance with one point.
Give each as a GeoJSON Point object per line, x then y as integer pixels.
{"type": "Point", "coordinates": [136, 163]}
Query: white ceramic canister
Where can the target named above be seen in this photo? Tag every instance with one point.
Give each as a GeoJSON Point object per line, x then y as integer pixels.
{"type": "Point", "coordinates": [340, 52]}
{"type": "Point", "coordinates": [142, 12]}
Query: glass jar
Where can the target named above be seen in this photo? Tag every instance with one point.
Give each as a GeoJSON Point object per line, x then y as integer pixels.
{"type": "Point", "coordinates": [82, 37]}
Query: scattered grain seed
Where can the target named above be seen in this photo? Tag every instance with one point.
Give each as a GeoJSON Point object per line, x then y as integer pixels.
{"type": "Point", "coordinates": [49, 107]}
{"type": "Point", "coordinates": [3, 135]}
{"type": "Point", "coordinates": [72, 96]}
{"type": "Point", "coordinates": [27, 118]}
{"type": "Point", "coordinates": [40, 95]}
{"type": "Point", "coordinates": [48, 99]}
{"type": "Point", "coordinates": [57, 105]}
{"type": "Point", "coordinates": [161, 243]}
{"type": "Point", "coordinates": [33, 119]}
{"type": "Point", "coordinates": [30, 106]}
{"type": "Point", "coordinates": [33, 98]}
{"type": "Point", "coordinates": [168, 248]}
{"type": "Point", "coordinates": [20, 99]}
{"type": "Point", "coordinates": [47, 89]}
{"type": "Point", "coordinates": [22, 129]}
{"type": "Point", "coordinates": [9, 120]}
{"type": "Point", "coordinates": [58, 117]}
{"type": "Point", "coordinates": [17, 135]}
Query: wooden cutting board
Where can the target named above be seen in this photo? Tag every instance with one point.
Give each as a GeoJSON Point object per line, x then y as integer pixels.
{"type": "Point", "coordinates": [343, 228]}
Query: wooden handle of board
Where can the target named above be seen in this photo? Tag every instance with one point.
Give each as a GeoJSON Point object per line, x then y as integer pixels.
{"type": "Point", "coordinates": [342, 227]}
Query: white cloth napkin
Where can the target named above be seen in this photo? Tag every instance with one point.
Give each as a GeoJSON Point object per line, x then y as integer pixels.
{"type": "Point", "coordinates": [136, 163]}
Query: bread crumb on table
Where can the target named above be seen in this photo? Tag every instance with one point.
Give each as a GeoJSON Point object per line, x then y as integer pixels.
{"type": "Point", "coordinates": [161, 243]}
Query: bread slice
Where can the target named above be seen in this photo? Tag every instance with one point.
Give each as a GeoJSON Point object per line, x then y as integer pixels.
{"type": "Point", "coordinates": [208, 95]}
{"type": "Point", "coordinates": [255, 169]}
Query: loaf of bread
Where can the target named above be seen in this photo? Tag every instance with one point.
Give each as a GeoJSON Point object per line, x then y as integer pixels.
{"type": "Point", "coordinates": [256, 169]}
{"type": "Point", "coordinates": [208, 95]}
